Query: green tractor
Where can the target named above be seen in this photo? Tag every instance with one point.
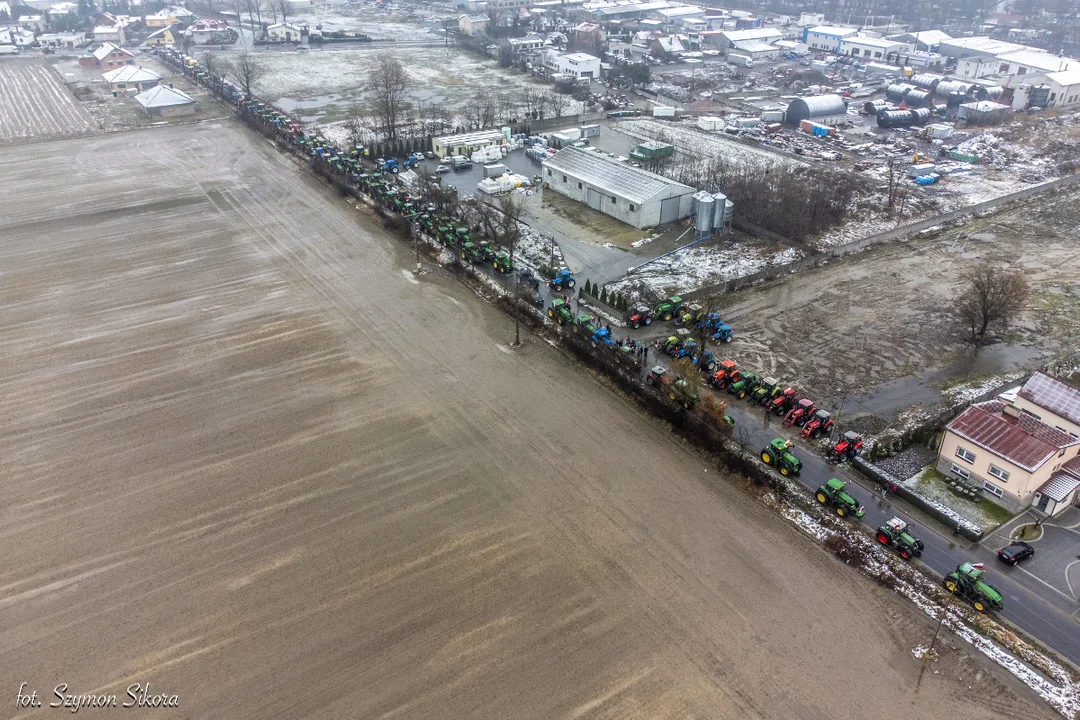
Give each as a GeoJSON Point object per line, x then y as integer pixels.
{"type": "Point", "coordinates": [503, 263]}
{"type": "Point", "coordinates": [560, 312]}
{"type": "Point", "coordinates": [477, 252]}
{"type": "Point", "coordinates": [966, 581]}
{"type": "Point", "coordinates": [744, 385]}
{"type": "Point", "coordinates": [765, 391]}
{"type": "Point", "coordinates": [895, 533]}
{"type": "Point", "coordinates": [669, 308]}
{"type": "Point", "coordinates": [833, 494]}
{"type": "Point", "coordinates": [676, 389]}
{"type": "Point", "coordinates": [778, 453]}
{"type": "Point", "coordinates": [485, 251]}
{"type": "Point", "coordinates": [584, 323]}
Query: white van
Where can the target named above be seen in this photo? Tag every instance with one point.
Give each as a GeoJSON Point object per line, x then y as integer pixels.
{"type": "Point", "coordinates": [8, 50]}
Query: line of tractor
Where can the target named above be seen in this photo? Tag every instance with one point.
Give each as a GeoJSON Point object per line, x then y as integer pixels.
{"type": "Point", "coordinates": [694, 326]}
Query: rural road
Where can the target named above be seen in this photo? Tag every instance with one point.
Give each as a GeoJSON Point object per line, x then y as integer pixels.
{"type": "Point", "coordinates": [253, 460]}
{"type": "Point", "coordinates": [1041, 612]}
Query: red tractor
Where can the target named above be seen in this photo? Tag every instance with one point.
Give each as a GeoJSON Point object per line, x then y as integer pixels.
{"type": "Point", "coordinates": [799, 414]}
{"type": "Point", "coordinates": [726, 374]}
{"type": "Point", "coordinates": [783, 402]}
{"type": "Point", "coordinates": [849, 446]}
{"type": "Point", "coordinates": [821, 422]}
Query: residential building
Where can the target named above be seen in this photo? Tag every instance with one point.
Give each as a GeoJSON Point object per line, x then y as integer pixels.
{"type": "Point", "coordinates": [467, 143]}
{"type": "Point", "coordinates": [109, 57]}
{"type": "Point", "coordinates": [164, 101]}
{"type": "Point", "coordinates": [207, 31]}
{"type": "Point", "coordinates": [826, 37]}
{"type": "Point", "coordinates": [110, 33]}
{"type": "Point", "coordinates": [665, 45]}
{"type": "Point", "coordinates": [17, 36]}
{"type": "Point", "coordinates": [755, 49]}
{"type": "Point", "coordinates": [161, 38]}
{"type": "Point", "coordinates": [473, 25]}
{"type": "Point", "coordinates": [67, 41]}
{"type": "Point", "coordinates": [628, 194]}
{"type": "Point", "coordinates": [528, 44]}
{"type": "Point", "coordinates": [131, 76]}
{"type": "Point", "coordinates": [578, 65]}
{"type": "Point", "coordinates": [979, 46]}
{"type": "Point", "coordinates": [871, 48]}
{"type": "Point", "coordinates": [168, 16]}
{"type": "Point", "coordinates": [1064, 88]}
{"type": "Point", "coordinates": [33, 23]}
{"type": "Point", "coordinates": [1011, 455]}
{"type": "Point", "coordinates": [284, 32]}
{"type": "Point", "coordinates": [1049, 400]}
{"type": "Point", "coordinates": [60, 9]}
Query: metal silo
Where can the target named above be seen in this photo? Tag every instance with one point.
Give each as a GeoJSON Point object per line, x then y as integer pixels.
{"type": "Point", "coordinates": [704, 212]}
{"type": "Point", "coordinates": [718, 210]}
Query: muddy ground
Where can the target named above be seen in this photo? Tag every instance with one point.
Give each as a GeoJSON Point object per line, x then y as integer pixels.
{"type": "Point", "coordinates": [35, 104]}
{"type": "Point", "coordinates": [250, 459]}
{"type": "Point", "coordinates": [877, 326]}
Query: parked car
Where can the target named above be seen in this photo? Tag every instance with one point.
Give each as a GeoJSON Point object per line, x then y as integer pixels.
{"type": "Point", "coordinates": [430, 155]}
{"type": "Point", "coordinates": [1014, 553]}
{"type": "Point", "coordinates": [443, 169]}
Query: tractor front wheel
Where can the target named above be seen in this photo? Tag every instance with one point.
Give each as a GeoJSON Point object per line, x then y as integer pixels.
{"type": "Point", "coordinates": [979, 606]}
{"type": "Point", "coordinates": [951, 586]}
{"type": "Point", "coordinates": [571, 283]}
{"type": "Point", "coordinates": [667, 316]}
{"type": "Point", "coordinates": [636, 325]}
{"type": "Point", "coordinates": [766, 457]}
{"type": "Point", "coordinates": [728, 339]}
{"type": "Point", "coordinates": [784, 471]}
{"type": "Point", "coordinates": [841, 511]}
{"type": "Point", "coordinates": [821, 498]}
{"type": "Point", "coordinates": [648, 321]}
{"type": "Point", "coordinates": [905, 554]}
{"type": "Point", "coordinates": [882, 538]}
{"type": "Point", "coordinates": [551, 314]}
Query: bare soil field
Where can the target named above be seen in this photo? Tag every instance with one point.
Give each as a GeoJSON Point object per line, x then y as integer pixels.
{"type": "Point", "coordinates": [873, 318]}
{"type": "Point", "coordinates": [250, 459]}
{"type": "Point", "coordinates": [34, 104]}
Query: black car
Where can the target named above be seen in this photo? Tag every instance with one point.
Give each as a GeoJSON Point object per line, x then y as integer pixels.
{"type": "Point", "coordinates": [1016, 552]}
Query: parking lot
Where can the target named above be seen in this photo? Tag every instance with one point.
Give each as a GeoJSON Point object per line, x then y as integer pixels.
{"type": "Point", "coordinates": [1057, 550]}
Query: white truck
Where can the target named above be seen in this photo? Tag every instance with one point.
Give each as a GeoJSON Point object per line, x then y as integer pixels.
{"type": "Point", "coordinates": [740, 60]}
{"type": "Point", "coordinates": [8, 50]}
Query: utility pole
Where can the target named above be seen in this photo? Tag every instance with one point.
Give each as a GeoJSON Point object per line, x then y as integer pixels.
{"type": "Point", "coordinates": [517, 294]}
{"type": "Point", "coordinates": [839, 410]}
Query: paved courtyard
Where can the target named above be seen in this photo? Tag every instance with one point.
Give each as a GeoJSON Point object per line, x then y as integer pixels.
{"type": "Point", "coordinates": [1057, 551]}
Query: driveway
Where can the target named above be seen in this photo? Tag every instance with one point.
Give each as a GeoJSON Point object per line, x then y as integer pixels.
{"type": "Point", "coordinates": [1057, 551]}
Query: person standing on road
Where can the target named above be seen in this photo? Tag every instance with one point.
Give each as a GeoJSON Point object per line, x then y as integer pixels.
{"type": "Point", "coordinates": [646, 354]}
{"type": "Point", "coordinates": [956, 530]}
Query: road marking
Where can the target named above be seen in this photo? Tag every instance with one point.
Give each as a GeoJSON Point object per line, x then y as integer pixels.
{"type": "Point", "coordinates": [1059, 592]}
{"type": "Point", "coordinates": [1067, 579]}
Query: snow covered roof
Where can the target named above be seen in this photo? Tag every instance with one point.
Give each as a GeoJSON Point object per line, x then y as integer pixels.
{"type": "Point", "coordinates": [102, 52]}
{"type": "Point", "coordinates": [752, 34]}
{"type": "Point", "coordinates": [983, 44]}
{"type": "Point", "coordinates": [1022, 440]}
{"type": "Point", "coordinates": [162, 96]}
{"type": "Point", "coordinates": [130, 73]}
{"type": "Point", "coordinates": [832, 31]}
{"type": "Point", "coordinates": [873, 42]}
{"type": "Point", "coordinates": [289, 26]}
{"type": "Point", "coordinates": [926, 37]}
{"type": "Point", "coordinates": [634, 184]}
{"type": "Point", "coordinates": [753, 46]}
{"type": "Point", "coordinates": [60, 8]}
{"type": "Point", "coordinates": [1058, 397]}
{"type": "Point", "coordinates": [1039, 59]}
{"type": "Point", "coordinates": [1059, 486]}
{"type": "Point", "coordinates": [1066, 77]}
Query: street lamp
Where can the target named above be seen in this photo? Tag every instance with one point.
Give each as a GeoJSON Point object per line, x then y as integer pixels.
{"type": "Point", "coordinates": [839, 410]}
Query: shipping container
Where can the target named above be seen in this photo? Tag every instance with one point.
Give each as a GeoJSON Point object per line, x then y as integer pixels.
{"type": "Point", "coordinates": [710, 123]}
{"type": "Point", "coordinates": [663, 111]}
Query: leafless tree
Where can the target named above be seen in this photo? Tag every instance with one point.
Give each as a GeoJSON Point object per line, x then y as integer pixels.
{"type": "Point", "coordinates": [511, 209]}
{"type": "Point", "coordinates": [246, 71]}
{"type": "Point", "coordinates": [558, 103]}
{"type": "Point", "coordinates": [283, 5]}
{"type": "Point", "coordinates": [530, 100]}
{"type": "Point", "coordinates": [990, 297]}
{"type": "Point", "coordinates": [215, 70]}
{"type": "Point", "coordinates": [389, 81]}
{"type": "Point", "coordinates": [475, 111]}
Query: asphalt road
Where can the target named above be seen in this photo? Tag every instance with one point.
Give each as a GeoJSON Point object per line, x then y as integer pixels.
{"type": "Point", "coordinates": [1040, 612]}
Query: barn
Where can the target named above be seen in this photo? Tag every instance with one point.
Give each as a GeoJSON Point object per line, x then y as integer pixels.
{"type": "Point", "coordinates": [634, 196]}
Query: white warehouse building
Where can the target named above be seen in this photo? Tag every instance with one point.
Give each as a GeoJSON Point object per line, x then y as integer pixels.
{"type": "Point", "coordinates": [634, 196]}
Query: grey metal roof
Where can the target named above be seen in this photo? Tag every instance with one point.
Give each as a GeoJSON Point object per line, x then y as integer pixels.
{"type": "Point", "coordinates": [162, 96]}
{"type": "Point", "coordinates": [620, 179]}
{"type": "Point", "coordinates": [1058, 397]}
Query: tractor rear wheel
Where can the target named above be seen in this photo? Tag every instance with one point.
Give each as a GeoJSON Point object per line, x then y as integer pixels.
{"type": "Point", "coordinates": [905, 553]}
{"type": "Point", "coordinates": [841, 511]}
{"type": "Point", "coordinates": [951, 585]}
{"type": "Point", "coordinates": [648, 321]}
{"type": "Point", "coordinates": [766, 457]}
{"type": "Point", "coordinates": [821, 498]}
{"type": "Point", "coordinates": [667, 316]}
{"type": "Point", "coordinates": [636, 324]}
{"type": "Point", "coordinates": [742, 394]}
{"type": "Point", "coordinates": [882, 538]}
{"type": "Point", "coordinates": [728, 339]}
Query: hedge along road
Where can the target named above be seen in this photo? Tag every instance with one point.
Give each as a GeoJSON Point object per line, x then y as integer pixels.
{"type": "Point", "coordinates": [1040, 611]}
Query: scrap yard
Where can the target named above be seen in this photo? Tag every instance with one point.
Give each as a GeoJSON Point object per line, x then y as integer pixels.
{"type": "Point", "coordinates": [544, 360]}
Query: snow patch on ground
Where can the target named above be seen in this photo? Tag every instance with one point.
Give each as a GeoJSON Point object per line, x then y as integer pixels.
{"type": "Point", "coordinates": [968, 392]}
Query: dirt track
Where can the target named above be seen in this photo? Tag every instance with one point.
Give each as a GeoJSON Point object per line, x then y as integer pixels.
{"type": "Point", "coordinates": [252, 461]}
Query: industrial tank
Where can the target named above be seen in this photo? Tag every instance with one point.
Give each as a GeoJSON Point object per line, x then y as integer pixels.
{"type": "Point", "coordinates": [927, 81]}
{"type": "Point", "coordinates": [918, 98]}
{"type": "Point", "coordinates": [704, 212]}
{"type": "Point", "coordinates": [897, 91]}
{"type": "Point", "coordinates": [873, 107]}
{"type": "Point", "coordinates": [903, 118]}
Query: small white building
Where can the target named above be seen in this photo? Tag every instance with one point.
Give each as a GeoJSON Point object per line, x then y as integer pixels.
{"type": "Point", "coordinates": [131, 76]}
{"type": "Point", "coordinates": [467, 143]}
{"type": "Point", "coordinates": [284, 32]}
{"type": "Point", "coordinates": [578, 65]}
{"type": "Point", "coordinates": [164, 101]}
{"type": "Point", "coordinates": [755, 49]}
{"type": "Point", "coordinates": [1064, 88]}
{"type": "Point", "coordinates": [826, 38]}
{"type": "Point", "coordinates": [17, 36]}
{"type": "Point", "coordinates": [628, 194]}
{"type": "Point", "coordinates": [925, 40]}
{"type": "Point", "coordinates": [871, 48]}
{"type": "Point", "coordinates": [727, 38]}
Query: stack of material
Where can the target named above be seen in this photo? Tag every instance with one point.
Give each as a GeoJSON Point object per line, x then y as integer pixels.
{"type": "Point", "coordinates": [503, 184]}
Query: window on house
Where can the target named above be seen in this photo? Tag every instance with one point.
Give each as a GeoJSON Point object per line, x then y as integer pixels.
{"type": "Point", "coordinates": [960, 471]}
{"type": "Point", "coordinates": [564, 178]}
{"type": "Point", "coordinates": [999, 473]}
{"type": "Point", "coordinates": [1056, 468]}
{"type": "Point", "coordinates": [631, 208]}
{"type": "Point", "coordinates": [613, 200]}
{"type": "Point", "coordinates": [965, 455]}
{"type": "Point", "coordinates": [549, 172]}
{"type": "Point", "coordinates": [579, 186]}
{"type": "Point", "coordinates": [993, 489]}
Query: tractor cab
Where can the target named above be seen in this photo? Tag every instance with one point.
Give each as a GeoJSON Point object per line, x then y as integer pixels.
{"type": "Point", "coordinates": [601, 335]}
{"type": "Point", "coordinates": [896, 526]}
{"type": "Point", "coordinates": [657, 376]}
{"type": "Point", "coordinates": [783, 401]}
{"type": "Point", "coordinates": [763, 393]}
{"type": "Point", "coordinates": [560, 312]}
{"type": "Point", "coordinates": [563, 279]}
{"type": "Point", "coordinates": [848, 447]}
{"type": "Point", "coordinates": [820, 422]}
{"type": "Point", "coordinates": [725, 373]}
{"type": "Point", "coordinates": [585, 322]}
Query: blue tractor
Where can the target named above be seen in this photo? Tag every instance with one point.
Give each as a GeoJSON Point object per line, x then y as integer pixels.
{"type": "Point", "coordinates": [389, 165]}
{"type": "Point", "coordinates": [563, 279]}
{"type": "Point", "coordinates": [721, 333]}
{"type": "Point", "coordinates": [601, 336]}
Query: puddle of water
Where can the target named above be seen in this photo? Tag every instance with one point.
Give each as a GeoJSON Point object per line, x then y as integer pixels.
{"type": "Point", "coordinates": [893, 396]}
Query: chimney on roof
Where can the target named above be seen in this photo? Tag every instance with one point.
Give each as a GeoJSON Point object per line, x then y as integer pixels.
{"type": "Point", "coordinates": [1011, 411]}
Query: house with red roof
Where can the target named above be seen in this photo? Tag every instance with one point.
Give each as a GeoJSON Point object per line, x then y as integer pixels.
{"type": "Point", "coordinates": [1023, 448]}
